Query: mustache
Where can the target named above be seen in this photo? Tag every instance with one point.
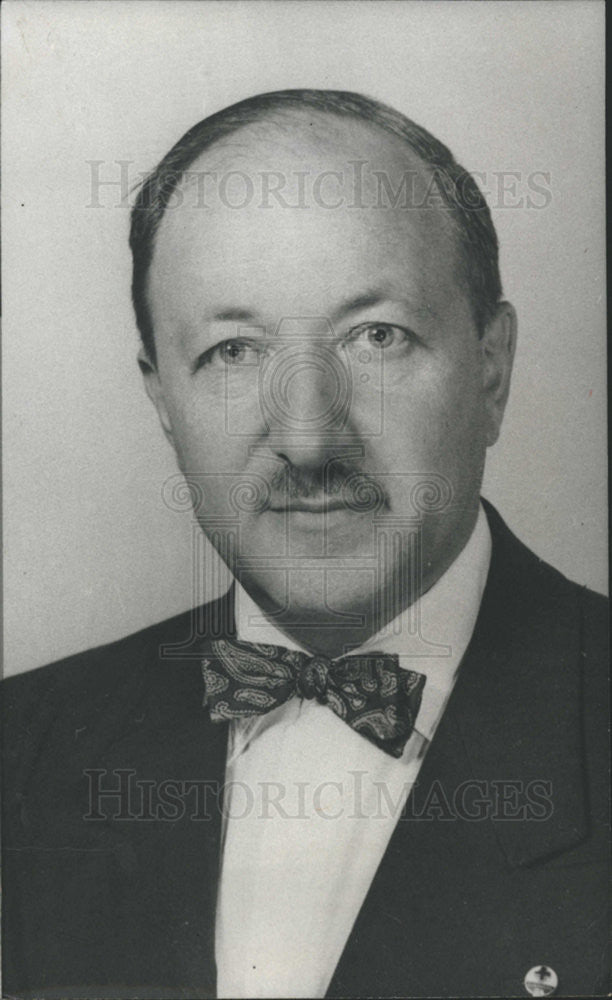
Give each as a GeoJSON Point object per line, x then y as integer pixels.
{"type": "Point", "coordinates": [339, 480]}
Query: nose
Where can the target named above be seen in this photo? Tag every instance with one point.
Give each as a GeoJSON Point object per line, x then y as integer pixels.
{"type": "Point", "coordinates": [306, 395]}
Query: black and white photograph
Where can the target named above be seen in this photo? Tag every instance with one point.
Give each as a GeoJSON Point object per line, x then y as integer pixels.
{"type": "Point", "coordinates": [305, 624]}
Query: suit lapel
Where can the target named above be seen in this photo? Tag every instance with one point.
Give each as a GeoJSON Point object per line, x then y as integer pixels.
{"type": "Point", "coordinates": [518, 699]}
{"type": "Point", "coordinates": [513, 717]}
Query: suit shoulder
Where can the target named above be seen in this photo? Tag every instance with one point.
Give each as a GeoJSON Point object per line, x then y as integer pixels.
{"type": "Point", "coordinates": [116, 659]}
{"type": "Point", "coordinates": [536, 579]}
{"type": "Point", "coordinates": [97, 686]}
{"type": "Point", "coordinates": [112, 657]}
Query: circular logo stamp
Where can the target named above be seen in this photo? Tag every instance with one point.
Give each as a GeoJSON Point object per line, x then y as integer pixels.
{"type": "Point", "coordinates": [541, 981]}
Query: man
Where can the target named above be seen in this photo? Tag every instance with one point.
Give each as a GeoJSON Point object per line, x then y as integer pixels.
{"type": "Point", "coordinates": [396, 783]}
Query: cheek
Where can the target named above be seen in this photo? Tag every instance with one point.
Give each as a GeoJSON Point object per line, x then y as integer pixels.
{"type": "Point", "coordinates": [212, 461]}
{"type": "Point", "coordinates": [202, 440]}
{"type": "Point", "coordinates": [459, 438]}
{"type": "Point", "coordinates": [217, 416]}
{"type": "Point", "coordinates": [434, 424]}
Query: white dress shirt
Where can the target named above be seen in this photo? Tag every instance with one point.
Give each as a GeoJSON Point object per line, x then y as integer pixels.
{"type": "Point", "coordinates": [311, 805]}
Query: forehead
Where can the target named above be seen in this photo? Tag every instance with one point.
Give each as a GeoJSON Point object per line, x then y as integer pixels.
{"type": "Point", "coordinates": [294, 213]}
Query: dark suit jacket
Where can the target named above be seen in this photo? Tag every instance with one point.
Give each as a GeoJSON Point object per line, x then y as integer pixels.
{"type": "Point", "coordinates": [459, 906]}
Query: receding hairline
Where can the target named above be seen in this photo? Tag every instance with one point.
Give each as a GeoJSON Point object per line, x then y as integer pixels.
{"type": "Point", "coordinates": [227, 152]}
{"type": "Point", "coordinates": [313, 124]}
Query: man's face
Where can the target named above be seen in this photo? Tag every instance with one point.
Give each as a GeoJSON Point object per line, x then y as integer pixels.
{"type": "Point", "coordinates": [320, 375]}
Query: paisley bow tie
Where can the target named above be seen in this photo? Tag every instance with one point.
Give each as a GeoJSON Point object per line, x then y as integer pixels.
{"type": "Point", "coordinates": [372, 694]}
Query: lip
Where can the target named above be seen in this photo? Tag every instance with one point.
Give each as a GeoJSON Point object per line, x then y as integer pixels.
{"type": "Point", "coordinates": [303, 507]}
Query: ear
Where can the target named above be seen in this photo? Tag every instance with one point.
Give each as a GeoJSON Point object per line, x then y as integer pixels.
{"type": "Point", "coordinates": [498, 344]}
{"type": "Point", "coordinates": [155, 392]}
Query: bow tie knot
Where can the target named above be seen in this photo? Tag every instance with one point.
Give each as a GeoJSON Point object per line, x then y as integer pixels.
{"type": "Point", "coordinates": [371, 693]}
{"type": "Point", "coordinates": [313, 677]}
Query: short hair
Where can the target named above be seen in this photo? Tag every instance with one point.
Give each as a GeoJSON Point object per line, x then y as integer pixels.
{"type": "Point", "coordinates": [477, 240]}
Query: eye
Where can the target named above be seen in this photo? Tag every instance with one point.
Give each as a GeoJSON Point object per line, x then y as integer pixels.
{"type": "Point", "coordinates": [381, 336]}
{"type": "Point", "coordinates": [234, 353]}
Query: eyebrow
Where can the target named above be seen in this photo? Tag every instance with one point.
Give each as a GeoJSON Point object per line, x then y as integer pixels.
{"type": "Point", "coordinates": [377, 297]}
{"type": "Point", "coordinates": [236, 315]}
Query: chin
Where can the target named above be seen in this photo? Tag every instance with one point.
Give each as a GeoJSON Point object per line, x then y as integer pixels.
{"type": "Point", "coordinates": [314, 592]}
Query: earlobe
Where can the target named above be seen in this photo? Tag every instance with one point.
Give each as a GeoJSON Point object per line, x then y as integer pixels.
{"type": "Point", "coordinates": [498, 347]}
{"type": "Point", "coordinates": [155, 392]}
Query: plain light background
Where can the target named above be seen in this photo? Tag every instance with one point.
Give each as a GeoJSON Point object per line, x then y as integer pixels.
{"type": "Point", "coordinates": [91, 550]}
